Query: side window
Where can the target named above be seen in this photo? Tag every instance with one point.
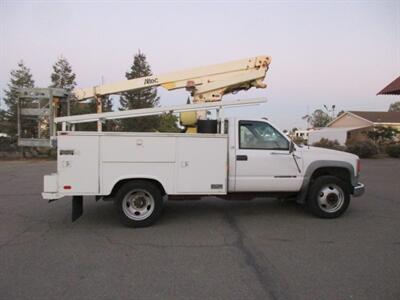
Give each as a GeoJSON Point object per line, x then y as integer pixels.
{"type": "Point", "coordinates": [260, 135]}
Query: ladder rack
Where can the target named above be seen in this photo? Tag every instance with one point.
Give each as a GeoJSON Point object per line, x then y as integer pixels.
{"type": "Point", "coordinates": [135, 113]}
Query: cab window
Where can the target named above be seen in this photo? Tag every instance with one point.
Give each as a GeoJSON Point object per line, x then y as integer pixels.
{"type": "Point", "coordinates": [260, 135]}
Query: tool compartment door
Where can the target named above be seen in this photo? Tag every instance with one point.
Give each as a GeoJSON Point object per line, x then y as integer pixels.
{"type": "Point", "coordinates": [78, 164]}
{"type": "Point", "coordinates": [201, 165]}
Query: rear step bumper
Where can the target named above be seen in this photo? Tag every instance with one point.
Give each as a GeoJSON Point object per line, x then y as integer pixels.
{"type": "Point", "coordinates": [51, 196]}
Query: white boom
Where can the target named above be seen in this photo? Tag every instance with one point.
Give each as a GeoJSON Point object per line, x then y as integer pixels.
{"type": "Point", "coordinates": [206, 84]}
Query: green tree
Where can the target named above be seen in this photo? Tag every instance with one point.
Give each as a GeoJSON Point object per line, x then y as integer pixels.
{"type": "Point", "coordinates": [62, 76]}
{"type": "Point", "coordinates": [319, 118]}
{"type": "Point", "coordinates": [395, 106]}
{"type": "Point", "coordinates": [143, 98]}
{"type": "Point", "coordinates": [168, 123]}
{"type": "Point", "coordinates": [2, 121]}
{"type": "Point", "coordinates": [381, 134]}
{"type": "Point", "coordinates": [19, 78]}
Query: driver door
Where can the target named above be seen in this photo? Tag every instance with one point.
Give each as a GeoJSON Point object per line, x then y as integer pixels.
{"type": "Point", "coordinates": [263, 161]}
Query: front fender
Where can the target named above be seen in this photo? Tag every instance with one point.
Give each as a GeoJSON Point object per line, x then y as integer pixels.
{"type": "Point", "coordinates": [301, 198]}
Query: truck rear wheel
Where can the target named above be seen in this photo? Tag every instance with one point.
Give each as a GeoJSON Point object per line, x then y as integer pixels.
{"type": "Point", "coordinates": [139, 203]}
{"type": "Point", "coordinates": [329, 197]}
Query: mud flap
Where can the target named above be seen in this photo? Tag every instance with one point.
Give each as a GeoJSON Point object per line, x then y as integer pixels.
{"type": "Point", "coordinates": [77, 207]}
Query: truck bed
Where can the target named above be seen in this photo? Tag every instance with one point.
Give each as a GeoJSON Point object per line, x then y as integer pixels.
{"type": "Point", "coordinates": [91, 163]}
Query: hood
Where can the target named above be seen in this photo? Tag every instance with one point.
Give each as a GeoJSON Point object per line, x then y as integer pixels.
{"type": "Point", "coordinates": [309, 150]}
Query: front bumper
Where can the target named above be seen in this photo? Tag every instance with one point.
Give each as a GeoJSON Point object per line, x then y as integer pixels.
{"type": "Point", "coordinates": [358, 190]}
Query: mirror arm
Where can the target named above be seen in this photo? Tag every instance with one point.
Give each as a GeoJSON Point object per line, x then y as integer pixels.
{"type": "Point", "coordinates": [292, 147]}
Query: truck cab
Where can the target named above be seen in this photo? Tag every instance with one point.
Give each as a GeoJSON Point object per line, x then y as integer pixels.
{"type": "Point", "coordinates": [261, 158]}
{"type": "Point", "coordinates": [264, 159]}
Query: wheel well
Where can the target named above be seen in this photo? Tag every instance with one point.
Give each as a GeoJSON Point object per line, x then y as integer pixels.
{"type": "Point", "coordinates": [341, 173]}
{"type": "Point", "coordinates": [123, 181]}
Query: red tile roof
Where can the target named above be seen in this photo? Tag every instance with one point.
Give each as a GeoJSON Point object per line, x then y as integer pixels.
{"type": "Point", "coordinates": [392, 88]}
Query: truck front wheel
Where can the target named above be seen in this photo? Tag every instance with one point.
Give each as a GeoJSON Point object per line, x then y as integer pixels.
{"type": "Point", "coordinates": [138, 203]}
{"type": "Point", "coordinates": [329, 197]}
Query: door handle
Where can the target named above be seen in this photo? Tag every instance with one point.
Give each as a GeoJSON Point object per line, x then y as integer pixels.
{"type": "Point", "coordinates": [279, 153]}
{"type": "Point", "coordinates": [241, 157]}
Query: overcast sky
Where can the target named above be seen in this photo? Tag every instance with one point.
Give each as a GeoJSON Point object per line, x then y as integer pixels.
{"type": "Point", "coordinates": [322, 52]}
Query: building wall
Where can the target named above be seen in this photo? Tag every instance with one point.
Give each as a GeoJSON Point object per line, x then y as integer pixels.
{"type": "Point", "coordinates": [349, 121]}
{"type": "Point", "coordinates": [361, 134]}
{"type": "Point", "coordinates": [336, 135]}
{"type": "Point", "coordinates": [358, 134]}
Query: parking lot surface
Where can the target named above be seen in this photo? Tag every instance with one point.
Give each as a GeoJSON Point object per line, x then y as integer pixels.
{"type": "Point", "coordinates": [208, 249]}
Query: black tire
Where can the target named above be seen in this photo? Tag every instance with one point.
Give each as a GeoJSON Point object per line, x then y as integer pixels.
{"type": "Point", "coordinates": [328, 197]}
{"type": "Point", "coordinates": [138, 203]}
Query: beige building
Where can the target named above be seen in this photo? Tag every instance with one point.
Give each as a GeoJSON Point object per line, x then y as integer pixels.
{"type": "Point", "coordinates": [361, 121]}
{"type": "Point", "coordinates": [353, 125]}
{"type": "Point", "coordinates": [367, 119]}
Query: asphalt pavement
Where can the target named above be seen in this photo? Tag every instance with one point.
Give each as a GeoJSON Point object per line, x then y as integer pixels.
{"type": "Point", "coordinates": [208, 249]}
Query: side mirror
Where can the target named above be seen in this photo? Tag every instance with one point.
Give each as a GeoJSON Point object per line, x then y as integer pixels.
{"type": "Point", "coordinates": [292, 147]}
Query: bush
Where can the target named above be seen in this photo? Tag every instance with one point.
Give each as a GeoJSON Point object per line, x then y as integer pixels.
{"type": "Point", "coordinates": [363, 149]}
{"type": "Point", "coordinates": [393, 150]}
{"type": "Point", "coordinates": [325, 143]}
{"type": "Point", "coordinates": [8, 144]}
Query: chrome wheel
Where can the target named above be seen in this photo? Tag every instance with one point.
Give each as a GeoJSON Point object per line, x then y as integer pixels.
{"type": "Point", "coordinates": [138, 204]}
{"type": "Point", "coordinates": [331, 198]}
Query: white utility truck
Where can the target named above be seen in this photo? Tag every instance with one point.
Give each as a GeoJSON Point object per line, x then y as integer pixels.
{"type": "Point", "coordinates": [238, 158]}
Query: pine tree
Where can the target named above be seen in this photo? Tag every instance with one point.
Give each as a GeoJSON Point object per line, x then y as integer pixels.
{"type": "Point", "coordinates": [143, 98]}
{"type": "Point", "coordinates": [62, 76]}
{"type": "Point", "coordinates": [3, 123]}
{"type": "Point", "coordinates": [19, 78]}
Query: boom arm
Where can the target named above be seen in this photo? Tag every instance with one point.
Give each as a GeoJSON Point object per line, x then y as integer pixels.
{"type": "Point", "coordinates": [206, 84]}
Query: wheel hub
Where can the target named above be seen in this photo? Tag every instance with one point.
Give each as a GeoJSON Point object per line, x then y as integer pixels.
{"type": "Point", "coordinates": [139, 202]}
{"type": "Point", "coordinates": [331, 198]}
